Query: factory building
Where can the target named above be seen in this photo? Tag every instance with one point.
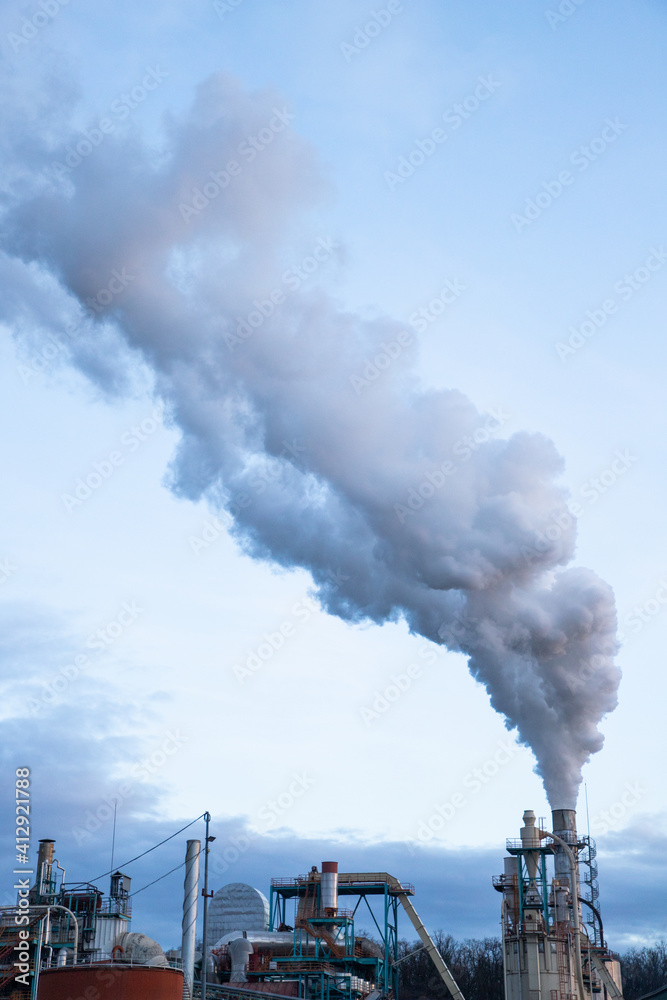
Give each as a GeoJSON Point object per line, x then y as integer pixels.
{"type": "Point", "coordinates": [304, 939]}
{"type": "Point", "coordinates": [549, 951]}
{"type": "Point", "coordinates": [77, 942]}
{"type": "Point", "coordinates": [309, 946]}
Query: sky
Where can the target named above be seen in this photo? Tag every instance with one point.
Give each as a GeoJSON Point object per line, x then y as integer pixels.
{"type": "Point", "coordinates": [217, 217]}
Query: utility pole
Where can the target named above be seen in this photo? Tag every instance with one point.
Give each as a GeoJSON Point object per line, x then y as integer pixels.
{"type": "Point", "coordinates": [206, 894]}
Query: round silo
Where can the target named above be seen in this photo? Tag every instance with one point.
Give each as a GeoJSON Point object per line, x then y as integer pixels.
{"type": "Point", "coordinates": [236, 907]}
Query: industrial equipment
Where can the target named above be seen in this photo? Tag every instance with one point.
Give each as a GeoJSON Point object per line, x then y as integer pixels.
{"type": "Point", "coordinates": [316, 952]}
{"type": "Point", "coordinates": [547, 952]}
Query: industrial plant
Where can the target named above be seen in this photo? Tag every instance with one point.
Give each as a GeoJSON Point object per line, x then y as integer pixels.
{"type": "Point", "coordinates": [549, 951]}
{"type": "Point", "coordinates": [65, 940]}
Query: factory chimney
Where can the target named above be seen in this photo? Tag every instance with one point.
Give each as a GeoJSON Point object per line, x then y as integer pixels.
{"type": "Point", "coordinates": [191, 888]}
{"type": "Point", "coordinates": [45, 853]}
{"type": "Point", "coordinates": [329, 888]}
{"type": "Point", "coordinates": [564, 825]}
{"type": "Point", "coordinates": [43, 886]}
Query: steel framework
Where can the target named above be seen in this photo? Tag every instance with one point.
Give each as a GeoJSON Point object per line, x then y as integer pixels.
{"type": "Point", "coordinates": [335, 967]}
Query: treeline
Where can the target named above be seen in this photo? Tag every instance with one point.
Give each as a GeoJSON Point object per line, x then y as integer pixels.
{"type": "Point", "coordinates": [477, 967]}
{"type": "Point", "coordinates": [644, 970]}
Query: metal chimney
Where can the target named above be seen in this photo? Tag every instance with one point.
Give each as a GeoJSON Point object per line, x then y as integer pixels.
{"type": "Point", "coordinates": [191, 889]}
{"type": "Point", "coordinates": [329, 887]}
{"type": "Point", "coordinates": [564, 825]}
{"type": "Point", "coordinates": [44, 866]}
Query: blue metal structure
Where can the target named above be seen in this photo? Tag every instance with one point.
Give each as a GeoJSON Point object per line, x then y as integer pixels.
{"type": "Point", "coordinates": [525, 883]}
{"type": "Point", "coordinates": [328, 960]}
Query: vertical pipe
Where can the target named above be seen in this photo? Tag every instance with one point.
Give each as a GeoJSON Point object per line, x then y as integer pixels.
{"type": "Point", "coordinates": [576, 917]}
{"type": "Point", "coordinates": [44, 863]}
{"type": "Point", "coordinates": [329, 887]}
{"type": "Point", "coordinates": [190, 886]}
{"type": "Point", "coordinates": [204, 957]}
{"type": "Point", "coordinates": [564, 825]}
{"type": "Point", "coordinates": [38, 956]}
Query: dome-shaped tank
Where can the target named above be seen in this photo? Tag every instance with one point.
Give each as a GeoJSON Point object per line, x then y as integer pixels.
{"type": "Point", "coordinates": [237, 907]}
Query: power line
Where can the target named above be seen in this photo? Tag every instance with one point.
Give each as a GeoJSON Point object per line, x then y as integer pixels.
{"type": "Point", "coordinates": [126, 863]}
{"type": "Point", "coordinates": [182, 865]}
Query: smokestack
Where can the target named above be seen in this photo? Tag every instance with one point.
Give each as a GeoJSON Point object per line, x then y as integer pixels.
{"type": "Point", "coordinates": [46, 852]}
{"type": "Point", "coordinates": [191, 887]}
{"type": "Point", "coordinates": [564, 825]}
{"type": "Point", "coordinates": [329, 887]}
{"type": "Point", "coordinates": [44, 863]}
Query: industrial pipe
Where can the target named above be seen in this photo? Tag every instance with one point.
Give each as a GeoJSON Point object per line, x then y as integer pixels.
{"type": "Point", "coordinates": [190, 887]}
{"type": "Point", "coordinates": [44, 862]}
{"type": "Point", "coordinates": [576, 926]}
{"type": "Point", "coordinates": [329, 887]}
{"type": "Point", "coordinates": [206, 894]}
{"type": "Point", "coordinates": [55, 906]}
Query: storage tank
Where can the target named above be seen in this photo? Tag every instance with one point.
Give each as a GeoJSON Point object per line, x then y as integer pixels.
{"type": "Point", "coordinates": [236, 907]}
{"type": "Point", "coordinates": [111, 982]}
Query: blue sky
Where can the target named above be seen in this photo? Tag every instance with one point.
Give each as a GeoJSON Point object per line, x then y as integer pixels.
{"type": "Point", "coordinates": [544, 209]}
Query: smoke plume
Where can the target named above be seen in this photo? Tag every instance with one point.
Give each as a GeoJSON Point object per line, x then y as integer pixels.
{"type": "Point", "coordinates": [305, 421]}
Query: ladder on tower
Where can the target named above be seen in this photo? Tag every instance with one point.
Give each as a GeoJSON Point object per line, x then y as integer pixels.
{"type": "Point", "coordinates": [308, 902]}
{"type": "Point", "coordinates": [564, 978]}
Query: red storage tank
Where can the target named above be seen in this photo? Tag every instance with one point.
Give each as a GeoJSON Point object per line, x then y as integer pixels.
{"type": "Point", "coordinates": [111, 982]}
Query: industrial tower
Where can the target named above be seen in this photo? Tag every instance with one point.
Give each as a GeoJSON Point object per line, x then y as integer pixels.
{"type": "Point", "coordinates": [547, 953]}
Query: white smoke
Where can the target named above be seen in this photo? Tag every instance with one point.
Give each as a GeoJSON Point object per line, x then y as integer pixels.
{"type": "Point", "coordinates": [402, 502]}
